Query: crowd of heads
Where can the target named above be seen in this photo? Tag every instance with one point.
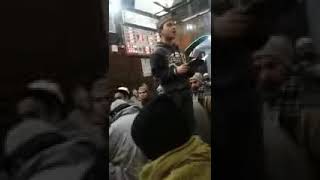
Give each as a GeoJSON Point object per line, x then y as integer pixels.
{"type": "Point", "coordinates": [280, 58]}
{"type": "Point", "coordinates": [266, 52]}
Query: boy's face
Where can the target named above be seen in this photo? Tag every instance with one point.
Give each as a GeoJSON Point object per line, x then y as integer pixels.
{"type": "Point", "coordinates": [169, 30]}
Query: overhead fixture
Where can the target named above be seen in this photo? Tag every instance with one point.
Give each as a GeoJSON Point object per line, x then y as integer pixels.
{"type": "Point", "coordinates": [196, 15]}
{"type": "Point", "coordinates": [114, 6]}
{"type": "Point", "coordinates": [168, 7]}
{"type": "Point", "coordinates": [190, 27]}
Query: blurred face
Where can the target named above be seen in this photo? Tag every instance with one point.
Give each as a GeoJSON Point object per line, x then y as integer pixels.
{"type": "Point", "coordinates": [169, 30]}
{"type": "Point", "coordinates": [195, 85]}
{"type": "Point", "coordinates": [270, 73]}
{"type": "Point", "coordinates": [101, 104]}
{"type": "Point", "coordinates": [233, 24]}
{"type": "Point", "coordinates": [143, 94]}
{"type": "Point", "coordinates": [81, 98]}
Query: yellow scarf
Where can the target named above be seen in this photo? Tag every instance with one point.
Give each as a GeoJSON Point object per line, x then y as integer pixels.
{"type": "Point", "coordinates": [192, 161]}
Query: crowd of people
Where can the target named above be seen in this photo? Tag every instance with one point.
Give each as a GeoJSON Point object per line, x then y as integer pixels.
{"type": "Point", "coordinates": [265, 116]}
{"type": "Point", "coordinates": [266, 91]}
{"type": "Point", "coordinates": [142, 124]}
{"type": "Point", "coordinates": [46, 135]}
{"type": "Point", "coordinates": [151, 135]}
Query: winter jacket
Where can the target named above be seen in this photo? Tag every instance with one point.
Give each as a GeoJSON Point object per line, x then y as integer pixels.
{"type": "Point", "coordinates": [191, 161]}
{"type": "Point", "coordinates": [36, 150]}
{"type": "Point", "coordinates": [164, 61]}
{"type": "Point", "coordinates": [125, 158]}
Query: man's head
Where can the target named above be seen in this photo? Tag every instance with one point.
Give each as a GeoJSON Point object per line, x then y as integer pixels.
{"type": "Point", "coordinates": [235, 20]}
{"type": "Point", "coordinates": [101, 100]}
{"type": "Point", "coordinates": [245, 21]}
{"type": "Point", "coordinates": [163, 122]}
{"type": "Point", "coordinates": [44, 100]}
{"type": "Point", "coordinates": [272, 63]}
{"type": "Point", "coordinates": [143, 92]}
{"type": "Point", "coordinates": [122, 93]}
{"type": "Point", "coordinates": [167, 28]}
{"type": "Point", "coordinates": [81, 98]}
{"type": "Point", "coordinates": [196, 82]}
{"type": "Point", "coordinates": [304, 48]}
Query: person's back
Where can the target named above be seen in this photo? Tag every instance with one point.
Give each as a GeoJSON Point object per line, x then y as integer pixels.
{"type": "Point", "coordinates": [175, 154]}
{"type": "Point", "coordinates": [38, 150]}
{"type": "Point", "coordinates": [125, 158]}
{"type": "Point", "coordinates": [191, 161]}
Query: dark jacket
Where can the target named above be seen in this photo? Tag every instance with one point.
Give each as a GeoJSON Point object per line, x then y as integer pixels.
{"type": "Point", "coordinates": [164, 61]}
{"type": "Point", "coordinates": [80, 122]}
{"type": "Point", "coordinates": [37, 150]}
{"type": "Point", "coordinates": [237, 143]}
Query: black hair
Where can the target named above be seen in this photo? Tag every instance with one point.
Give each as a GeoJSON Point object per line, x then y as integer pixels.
{"type": "Point", "coordinates": [158, 122]}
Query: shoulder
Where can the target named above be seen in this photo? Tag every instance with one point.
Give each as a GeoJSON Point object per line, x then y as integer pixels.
{"type": "Point", "coordinates": [193, 170]}
{"type": "Point", "coordinates": [122, 123]}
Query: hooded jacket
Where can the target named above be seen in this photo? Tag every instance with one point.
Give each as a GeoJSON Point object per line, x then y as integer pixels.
{"type": "Point", "coordinates": [191, 161]}
{"type": "Point", "coordinates": [125, 158]}
{"type": "Point", "coordinates": [164, 62]}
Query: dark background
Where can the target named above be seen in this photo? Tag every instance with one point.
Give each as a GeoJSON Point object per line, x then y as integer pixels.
{"type": "Point", "coordinates": [64, 40]}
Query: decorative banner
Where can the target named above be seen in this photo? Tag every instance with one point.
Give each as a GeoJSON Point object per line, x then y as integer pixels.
{"type": "Point", "coordinates": [139, 41]}
{"type": "Point", "coordinates": [146, 67]}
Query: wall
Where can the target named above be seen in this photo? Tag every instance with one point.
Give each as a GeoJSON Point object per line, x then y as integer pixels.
{"type": "Point", "coordinates": [126, 71]}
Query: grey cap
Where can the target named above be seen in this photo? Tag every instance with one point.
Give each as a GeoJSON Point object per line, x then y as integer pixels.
{"type": "Point", "coordinates": [163, 20]}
